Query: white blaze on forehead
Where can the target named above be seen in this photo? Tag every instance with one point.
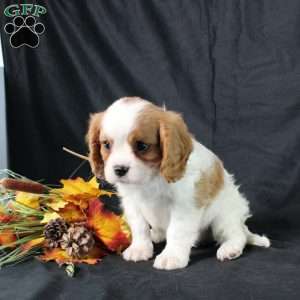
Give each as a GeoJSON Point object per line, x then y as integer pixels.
{"type": "Point", "coordinates": [120, 117]}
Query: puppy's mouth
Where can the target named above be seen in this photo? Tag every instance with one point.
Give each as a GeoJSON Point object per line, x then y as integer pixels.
{"type": "Point", "coordinates": [115, 180]}
{"type": "Point", "coordinates": [127, 181]}
{"type": "Point", "coordinates": [123, 180]}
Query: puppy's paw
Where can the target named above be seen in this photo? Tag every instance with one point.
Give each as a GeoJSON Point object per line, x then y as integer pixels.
{"type": "Point", "coordinates": [157, 235]}
{"type": "Point", "coordinates": [166, 261]}
{"type": "Point", "coordinates": [138, 252]}
{"type": "Point", "coordinates": [229, 251]}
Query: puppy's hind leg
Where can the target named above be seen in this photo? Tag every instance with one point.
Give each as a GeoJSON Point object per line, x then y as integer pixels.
{"type": "Point", "coordinates": [232, 239]}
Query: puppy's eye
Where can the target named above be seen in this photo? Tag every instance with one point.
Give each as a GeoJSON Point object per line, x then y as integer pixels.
{"type": "Point", "coordinates": [106, 145]}
{"type": "Point", "coordinates": [141, 146]}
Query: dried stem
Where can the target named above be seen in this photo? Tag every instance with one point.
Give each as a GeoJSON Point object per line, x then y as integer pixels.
{"type": "Point", "coordinates": [75, 154]}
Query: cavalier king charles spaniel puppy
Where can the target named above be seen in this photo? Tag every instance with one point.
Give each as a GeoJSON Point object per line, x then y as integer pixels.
{"type": "Point", "coordinates": [172, 188]}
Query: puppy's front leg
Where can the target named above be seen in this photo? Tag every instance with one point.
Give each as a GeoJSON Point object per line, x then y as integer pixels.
{"type": "Point", "coordinates": [141, 247]}
{"type": "Point", "coordinates": [182, 233]}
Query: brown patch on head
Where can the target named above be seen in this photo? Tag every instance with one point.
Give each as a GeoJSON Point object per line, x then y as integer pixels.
{"type": "Point", "coordinates": [106, 145]}
{"type": "Point", "coordinates": [93, 140]}
{"type": "Point", "coordinates": [170, 143]}
{"type": "Point", "coordinates": [209, 184]}
{"type": "Point", "coordinates": [147, 132]}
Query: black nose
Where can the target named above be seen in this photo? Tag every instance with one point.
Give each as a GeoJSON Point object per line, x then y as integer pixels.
{"type": "Point", "coordinates": [121, 170]}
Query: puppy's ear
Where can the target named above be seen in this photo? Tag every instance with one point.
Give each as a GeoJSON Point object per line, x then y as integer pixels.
{"type": "Point", "coordinates": [176, 145]}
{"type": "Point", "coordinates": [93, 140]}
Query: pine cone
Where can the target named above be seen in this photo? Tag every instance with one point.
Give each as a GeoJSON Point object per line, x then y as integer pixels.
{"type": "Point", "coordinates": [78, 241]}
{"type": "Point", "coordinates": [54, 231]}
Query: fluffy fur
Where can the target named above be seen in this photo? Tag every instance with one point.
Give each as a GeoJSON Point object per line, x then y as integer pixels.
{"type": "Point", "coordinates": [174, 190]}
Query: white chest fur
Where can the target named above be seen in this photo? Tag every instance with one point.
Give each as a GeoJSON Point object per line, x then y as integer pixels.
{"type": "Point", "coordinates": [152, 200]}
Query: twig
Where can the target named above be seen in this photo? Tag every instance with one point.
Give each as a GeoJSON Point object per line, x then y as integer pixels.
{"type": "Point", "coordinates": [78, 168]}
{"type": "Point", "coordinates": [76, 154]}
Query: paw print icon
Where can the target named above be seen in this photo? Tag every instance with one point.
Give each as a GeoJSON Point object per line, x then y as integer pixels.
{"type": "Point", "coordinates": [24, 31]}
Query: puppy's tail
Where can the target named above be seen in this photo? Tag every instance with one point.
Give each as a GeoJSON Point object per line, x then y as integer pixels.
{"type": "Point", "coordinates": [257, 240]}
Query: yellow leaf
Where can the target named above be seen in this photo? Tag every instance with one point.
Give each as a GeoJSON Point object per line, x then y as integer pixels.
{"type": "Point", "coordinates": [56, 203]}
{"type": "Point", "coordinates": [93, 182]}
{"type": "Point", "coordinates": [78, 186]}
{"type": "Point", "coordinates": [79, 192]}
{"type": "Point", "coordinates": [28, 199]}
{"type": "Point", "coordinates": [80, 200]}
{"type": "Point", "coordinates": [48, 216]}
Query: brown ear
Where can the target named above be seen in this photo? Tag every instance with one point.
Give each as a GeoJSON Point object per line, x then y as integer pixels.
{"type": "Point", "coordinates": [176, 145]}
{"type": "Point", "coordinates": [93, 140]}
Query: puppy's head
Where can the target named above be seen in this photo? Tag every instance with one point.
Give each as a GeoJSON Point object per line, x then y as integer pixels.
{"type": "Point", "coordinates": [134, 140]}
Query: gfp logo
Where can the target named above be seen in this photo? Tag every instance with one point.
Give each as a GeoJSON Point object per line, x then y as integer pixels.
{"type": "Point", "coordinates": [24, 29]}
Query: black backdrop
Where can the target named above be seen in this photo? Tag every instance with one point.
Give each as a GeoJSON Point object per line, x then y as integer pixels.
{"type": "Point", "coordinates": [232, 67]}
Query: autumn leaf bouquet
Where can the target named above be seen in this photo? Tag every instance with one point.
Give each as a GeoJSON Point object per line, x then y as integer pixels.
{"type": "Point", "coordinates": [70, 224]}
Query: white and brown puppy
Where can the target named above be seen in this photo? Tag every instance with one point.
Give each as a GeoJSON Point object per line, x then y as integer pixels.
{"type": "Point", "coordinates": [172, 187]}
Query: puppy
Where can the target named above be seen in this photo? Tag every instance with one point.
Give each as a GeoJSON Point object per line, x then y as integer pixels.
{"type": "Point", "coordinates": [172, 187]}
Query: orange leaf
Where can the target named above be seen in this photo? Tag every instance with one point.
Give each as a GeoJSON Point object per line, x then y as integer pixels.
{"type": "Point", "coordinates": [61, 256]}
{"type": "Point", "coordinates": [7, 237]}
{"type": "Point", "coordinates": [110, 228]}
{"type": "Point", "coordinates": [33, 243]}
{"type": "Point", "coordinates": [72, 213]}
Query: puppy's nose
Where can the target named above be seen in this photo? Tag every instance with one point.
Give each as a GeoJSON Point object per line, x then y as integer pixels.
{"type": "Point", "coordinates": [121, 170]}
